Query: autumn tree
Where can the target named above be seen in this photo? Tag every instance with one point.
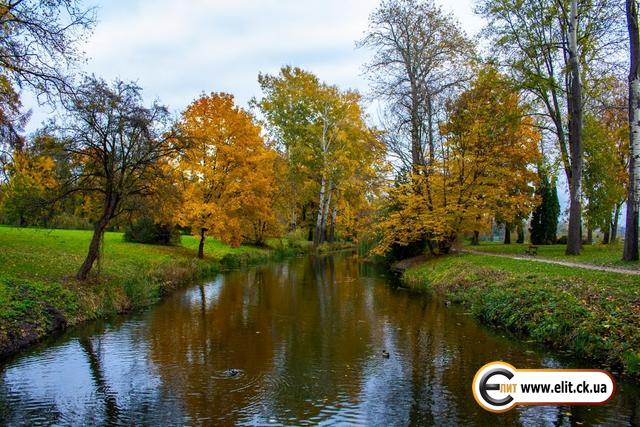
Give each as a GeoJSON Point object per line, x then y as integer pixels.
{"type": "Point", "coordinates": [31, 177]}
{"type": "Point", "coordinates": [329, 148]}
{"type": "Point", "coordinates": [227, 174]}
{"type": "Point", "coordinates": [486, 170]}
{"type": "Point", "coordinates": [12, 122]}
{"type": "Point", "coordinates": [118, 147]}
{"type": "Point", "coordinates": [605, 175]}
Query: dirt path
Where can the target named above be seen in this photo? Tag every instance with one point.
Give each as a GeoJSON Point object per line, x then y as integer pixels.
{"type": "Point", "coordinates": [555, 261]}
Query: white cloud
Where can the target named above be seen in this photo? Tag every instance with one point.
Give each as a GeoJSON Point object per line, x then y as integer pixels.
{"type": "Point", "coordinates": [178, 49]}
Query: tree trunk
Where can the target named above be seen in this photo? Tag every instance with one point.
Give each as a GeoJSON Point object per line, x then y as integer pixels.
{"type": "Point", "coordinates": [319, 234]}
{"type": "Point", "coordinates": [589, 236]}
{"type": "Point", "coordinates": [614, 225]}
{"type": "Point", "coordinates": [417, 158]}
{"type": "Point", "coordinates": [476, 238]}
{"type": "Point", "coordinates": [201, 244]}
{"type": "Point", "coordinates": [493, 229]}
{"type": "Point", "coordinates": [332, 228]}
{"type": "Point", "coordinates": [294, 220]}
{"type": "Point", "coordinates": [325, 214]}
{"type": "Point", "coordinates": [507, 233]}
{"type": "Point", "coordinates": [96, 239]}
{"type": "Point", "coordinates": [606, 236]}
{"type": "Point", "coordinates": [631, 233]}
{"type": "Point", "coordinates": [520, 233]}
{"type": "Point", "coordinates": [574, 238]}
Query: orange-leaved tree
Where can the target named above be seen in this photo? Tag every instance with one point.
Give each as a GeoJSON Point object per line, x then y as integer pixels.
{"type": "Point", "coordinates": [485, 170]}
{"type": "Point", "coordinates": [227, 173]}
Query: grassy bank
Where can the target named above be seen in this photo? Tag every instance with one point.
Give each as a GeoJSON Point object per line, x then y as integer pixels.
{"type": "Point", "coordinates": [598, 254]}
{"type": "Point", "coordinates": [595, 315]}
{"type": "Point", "coordinates": [38, 292]}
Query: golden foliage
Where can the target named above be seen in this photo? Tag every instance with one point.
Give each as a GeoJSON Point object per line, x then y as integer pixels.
{"type": "Point", "coordinates": [226, 172]}
{"type": "Point", "coordinates": [484, 171]}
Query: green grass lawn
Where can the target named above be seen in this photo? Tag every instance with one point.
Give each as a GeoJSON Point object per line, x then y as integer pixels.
{"type": "Point", "coordinates": [599, 254]}
{"type": "Point", "coordinates": [39, 293]}
{"type": "Point", "coordinates": [57, 254]}
{"type": "Point", "coordinates": [592, 313]}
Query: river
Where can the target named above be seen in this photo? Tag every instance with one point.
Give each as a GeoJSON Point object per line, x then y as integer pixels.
{"type": "Point", "coordinates": [295, 342]}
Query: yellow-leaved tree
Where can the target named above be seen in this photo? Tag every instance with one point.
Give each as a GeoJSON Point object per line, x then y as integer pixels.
{"type": "Point", "coordinates": [485, 170]}
{"type": "Point", "coordinates": [226, 172]}
{"type": "Point", "coordinates": [334, 158]}
{"type": "Point", "coordinates": [23, 198]}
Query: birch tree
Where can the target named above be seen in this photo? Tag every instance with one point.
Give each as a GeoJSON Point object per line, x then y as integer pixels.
{"type": "Point", "coordinates": [633, 200]}
{"type": "Point", "coordinates": [574, 97]}
{"type": "Point", "coordinates": [323, 135]}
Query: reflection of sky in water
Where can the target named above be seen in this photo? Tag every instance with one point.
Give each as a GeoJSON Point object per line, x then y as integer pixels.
{"type": "Point", "coordinates": [386, 385]}
{"type": "Point", "coordinates": [211, 293]}
{"type": "Point", "coordinates": [124, 374]}
{"type": "Point", "coordinates": [307, 336]}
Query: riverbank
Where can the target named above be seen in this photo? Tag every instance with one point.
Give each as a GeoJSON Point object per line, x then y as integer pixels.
{"type": "Point", "coordinates": [593, 314]}
{"type": "Point", "coordinates": [39, 295]}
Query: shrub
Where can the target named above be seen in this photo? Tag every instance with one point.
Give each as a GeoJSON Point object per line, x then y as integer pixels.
{"type": "Point", "coordinates": [562, 240]}
{"type": "Point", "coordinates": [145, 230]}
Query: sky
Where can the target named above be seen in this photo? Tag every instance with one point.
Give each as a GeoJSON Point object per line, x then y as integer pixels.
{"type": "Point", "coordinates": [177, 50]}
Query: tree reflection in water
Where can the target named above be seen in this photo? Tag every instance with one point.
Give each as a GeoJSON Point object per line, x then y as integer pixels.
{"type": "Point", "coordinates": [305, 338]}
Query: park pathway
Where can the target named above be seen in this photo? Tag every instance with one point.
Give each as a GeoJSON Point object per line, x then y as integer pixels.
{"type": "Point", "coordinates": [555, 261]}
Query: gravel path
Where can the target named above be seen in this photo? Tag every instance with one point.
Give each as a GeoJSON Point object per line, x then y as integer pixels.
{"type": "Point", "coordinates": [555, 261]}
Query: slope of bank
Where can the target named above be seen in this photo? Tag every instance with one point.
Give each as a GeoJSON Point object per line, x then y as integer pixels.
{"type": "Point", "coordinates": [39, 295]}
{"type": "Point", "coordinates": [594, 314]}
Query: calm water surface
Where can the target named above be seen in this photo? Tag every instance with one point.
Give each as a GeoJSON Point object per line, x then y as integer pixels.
{"type": "Point", "coordinates": [298, 342]}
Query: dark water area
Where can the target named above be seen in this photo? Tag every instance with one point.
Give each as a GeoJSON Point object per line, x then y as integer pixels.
{"type": "Point", "coordinates": [292, 343]}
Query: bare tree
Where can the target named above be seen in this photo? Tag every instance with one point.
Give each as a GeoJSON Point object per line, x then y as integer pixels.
{"type": "Point", "coordinates": [39, 46]}
{"type": "Point", "coordinates": [40, 42]}
{"type": "Point", "coordinates": [420, 54]}
{"type": "Point", "coordinates": [117, 146]}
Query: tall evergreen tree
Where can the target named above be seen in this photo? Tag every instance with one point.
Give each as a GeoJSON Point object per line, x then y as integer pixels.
{"type": "Point", "coordinates": [544, 221]}
{"type": "Point", "coordinates": [552, 214]}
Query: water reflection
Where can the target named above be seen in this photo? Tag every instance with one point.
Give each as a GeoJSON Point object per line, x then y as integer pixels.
{"type": "Point", "coordinates": [293, 343]}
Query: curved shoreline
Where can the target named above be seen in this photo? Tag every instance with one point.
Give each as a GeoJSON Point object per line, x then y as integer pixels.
{"type": "Point", "coordinates": [592, 314]}
{"type": "Point", "coordinates": [36, 303]}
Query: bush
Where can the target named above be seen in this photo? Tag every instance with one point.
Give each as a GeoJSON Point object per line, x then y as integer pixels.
{"type": "Point", "coordinates": [562, 240]}
{"type": "Point", "coordinates": [147, 231]}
